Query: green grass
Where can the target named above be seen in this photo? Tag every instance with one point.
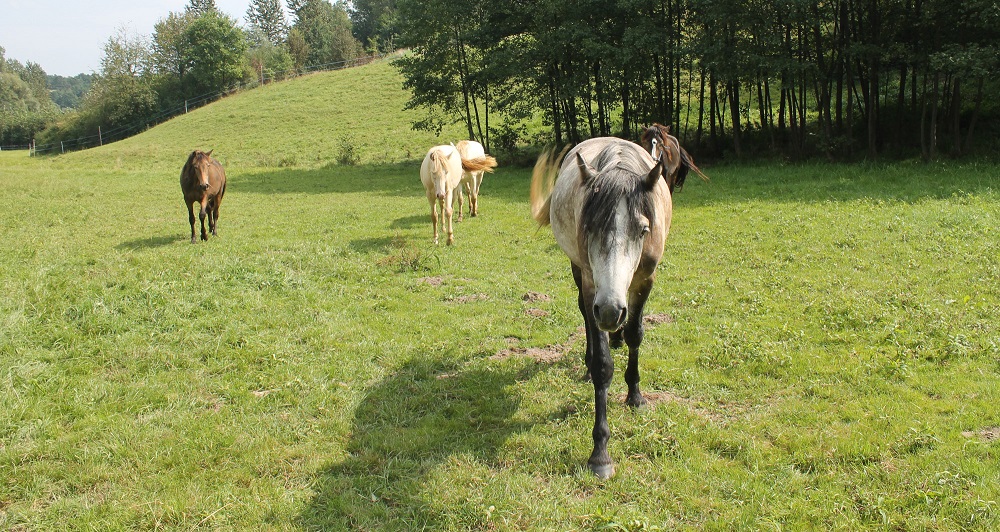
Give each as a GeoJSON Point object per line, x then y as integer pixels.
{"type": "Point", "coordinates": [831, 360]}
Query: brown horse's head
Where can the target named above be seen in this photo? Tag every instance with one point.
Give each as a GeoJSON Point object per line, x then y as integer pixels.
{"type": "Point", "coordinates": [199, 164]}
{"type": "Point", "coordinates": [657, 140]}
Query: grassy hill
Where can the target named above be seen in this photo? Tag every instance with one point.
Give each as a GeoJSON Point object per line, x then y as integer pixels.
{"type": "Point", "coordinates": [823, 354]}
{"type": "Point", "coordinates": [305, 122]}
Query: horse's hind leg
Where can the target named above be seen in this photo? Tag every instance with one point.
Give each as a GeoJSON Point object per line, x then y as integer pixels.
{"type": "Point", "coordinates": [213, 215]}
{"type": "Point", "coordinates": [633, 334]}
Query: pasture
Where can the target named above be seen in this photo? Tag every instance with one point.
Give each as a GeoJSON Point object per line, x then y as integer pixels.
{"type": "Point", "coordinates": [822, 350]}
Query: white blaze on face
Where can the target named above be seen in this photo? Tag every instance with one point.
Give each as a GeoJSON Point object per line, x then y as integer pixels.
{"type": "Point", "coordinates": [613, 261]}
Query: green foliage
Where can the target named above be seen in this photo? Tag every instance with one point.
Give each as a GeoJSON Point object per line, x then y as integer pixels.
{"type": "Point", "coordinates": [67, 92]}
{"type": "Point", "coordinates": [326, 30]}
{"type": "Point", "coordinates": [214, 50]}
{"type": "Point", "coordinates": [25, 105]}
{"type": "Point", "coordinates": [267, 19]}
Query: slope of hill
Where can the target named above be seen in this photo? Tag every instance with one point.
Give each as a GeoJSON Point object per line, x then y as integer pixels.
{"type": "Point", "coordinates": [311, 121]}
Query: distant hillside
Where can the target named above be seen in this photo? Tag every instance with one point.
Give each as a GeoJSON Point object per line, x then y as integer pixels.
{"type": "Point", "coordinates": [67, 92]}
{"type": "Point", "coordinates": [312, 121]}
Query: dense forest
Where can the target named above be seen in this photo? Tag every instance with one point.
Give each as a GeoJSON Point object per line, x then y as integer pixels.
{"type": "Point", "coordinates": [799, 78]}
{"type": "Point", "coordinates": [837, 79]}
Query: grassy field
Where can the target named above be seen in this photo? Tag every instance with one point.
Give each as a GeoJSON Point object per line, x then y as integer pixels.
{"type": "Point", "coordinates": [823, 350]}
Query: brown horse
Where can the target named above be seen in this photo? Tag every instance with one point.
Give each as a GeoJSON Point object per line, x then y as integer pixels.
{"type": "Point", "coordinates": [657, 139]}
{"type": "Point", "coordinates": [203, 181]}
{"type": "Point", "coordinates": [610, 213]}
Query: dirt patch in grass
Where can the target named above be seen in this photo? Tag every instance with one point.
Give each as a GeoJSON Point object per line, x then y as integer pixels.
{"type": "Point", "coordinates": [468, 298]}
{"type": "Point", "coordinates": [987, 434]}
{"type": "Point", "coordinates": [532, 297]}
{"type": "Point", "coordinates": [658, 319]}
{"type": "Point", "coordinates": [433, 281]}
{"type": "Point", "coordinates": [536, 312]}
{"type": "Point", "coordinates": [547, 354]}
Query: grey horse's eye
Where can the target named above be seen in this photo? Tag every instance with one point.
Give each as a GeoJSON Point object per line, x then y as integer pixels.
{"type": "Point", "coordinates": [645, 230]}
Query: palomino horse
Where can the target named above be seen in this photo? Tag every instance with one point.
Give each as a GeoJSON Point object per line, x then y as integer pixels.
{"type": "Point", "coordinates": [203, 181]}
{"type": "Point", "coordinates": [610, 213]}
{"type": "Point", "coordinates": [657, 138]}
{"type": "Point", "coordinates": [441, 173]}
{"type": "Point", "coordinates": [473, 153]}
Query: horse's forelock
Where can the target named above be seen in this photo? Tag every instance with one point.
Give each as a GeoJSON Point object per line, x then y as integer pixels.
{"type": "Point", "coordinates": [605, 193]}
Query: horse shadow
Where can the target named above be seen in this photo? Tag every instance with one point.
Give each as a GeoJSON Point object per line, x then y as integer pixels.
{"type": "Point", "coordinates": [423, 415]}
{"type": "Point", "coordinates": [407, 222]}
{"type": "Point", "coordinates": [149, 243]}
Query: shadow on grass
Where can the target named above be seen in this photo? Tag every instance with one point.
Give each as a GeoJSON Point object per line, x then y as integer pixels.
{"type": "Point", "coordinates": [402, 180]}
{"type": "Point", "coordinates": [407, 222]}
{"type": "Point", "coordinates": [405, 427]}
{"type": "Point", "coordinates": [151, 242]}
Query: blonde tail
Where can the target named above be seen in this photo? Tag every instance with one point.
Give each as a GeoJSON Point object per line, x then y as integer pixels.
{"type": "Point", "coordinates": [543, 179]}
{"type": "Point", "coordinates": [476, 164]}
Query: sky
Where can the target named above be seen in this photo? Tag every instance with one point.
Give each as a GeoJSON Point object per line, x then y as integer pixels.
{"type": "Point", "coordinates": [67, 37]}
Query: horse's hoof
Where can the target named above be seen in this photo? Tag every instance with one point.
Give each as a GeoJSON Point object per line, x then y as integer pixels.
{"type": "Point", "coordinates": [637, 402]}
{"type": "Point", "coordinates": [602, 471]}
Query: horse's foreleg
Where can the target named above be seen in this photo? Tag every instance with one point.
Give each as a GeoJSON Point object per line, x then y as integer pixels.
{"type": "Point", "coordinates": [447, 213]}
{"type": "Point", "coordinates": [633, 333]}
{"type": "Point", "coordinates": [602, 369]}
{"type": "Point", "coordinates": [190, 207]}
{"type": "Point", "coordinates": [589, 350]}
{"type": "Point", "coordinates": [434, 218]}
{"type": "Point", "coordinates": [201, 216]}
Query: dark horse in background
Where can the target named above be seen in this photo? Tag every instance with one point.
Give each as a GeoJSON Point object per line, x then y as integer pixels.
{"type": "Point", "coordinates": [203, 181]}
{"type": "Point", "coordinates": [656, 139]}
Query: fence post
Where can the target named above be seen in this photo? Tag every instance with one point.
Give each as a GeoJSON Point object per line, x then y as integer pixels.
{"type": "Point", "coordinates": [185, 106]}
{"type": "Point", "coordinates": [62, 147]}
{"type": "Point", "coordinates": [100, 137]}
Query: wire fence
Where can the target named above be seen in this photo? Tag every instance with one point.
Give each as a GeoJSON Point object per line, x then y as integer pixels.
{"type": "Point", "coordinates": [102, 137]}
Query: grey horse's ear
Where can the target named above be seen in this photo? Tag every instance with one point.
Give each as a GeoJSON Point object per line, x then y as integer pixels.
{"type": "Point", "coordinates": [586, 172]}
{"type": "Point", "coordinates": [655, 174]}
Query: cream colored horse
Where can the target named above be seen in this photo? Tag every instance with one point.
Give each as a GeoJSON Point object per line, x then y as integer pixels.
{"type": "Point", "coordinates": [473, 155]}
{"type": "Point", "coordinates": [610, 213]}
{"type": "Point", "coordinates": [441, 173]}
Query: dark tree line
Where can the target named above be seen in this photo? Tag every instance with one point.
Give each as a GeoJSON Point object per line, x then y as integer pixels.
{"type": "Point", "coordinates": [836, 78]}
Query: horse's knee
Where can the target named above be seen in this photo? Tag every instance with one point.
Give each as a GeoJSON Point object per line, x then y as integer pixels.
{"type": "Point", "coordinates": [633, 335]}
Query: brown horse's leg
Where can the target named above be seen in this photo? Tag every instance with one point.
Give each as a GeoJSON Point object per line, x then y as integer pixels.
{"type": "Point", "coordinates": [201, 216]}
{"type": "Point", "coordinates": [633, 333]}
{"type": "Point", "coordinates": [602, 369]}
{"type": "Point", "coordinates": [213, 214]}
{"type": "Point", "coordinates": [190, 207]}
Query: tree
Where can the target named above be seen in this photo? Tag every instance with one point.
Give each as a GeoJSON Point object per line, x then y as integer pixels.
{"type": "Point", "coordinates": [267, 17]}
{"type": "Point", "coordinates": [376, 23]}
{"type": "Point", "coordinates": [326, 29]}
{"type": "Point", "coordinates": [214, 49]}
{"type": "Point", "coordinates": [201, 7]}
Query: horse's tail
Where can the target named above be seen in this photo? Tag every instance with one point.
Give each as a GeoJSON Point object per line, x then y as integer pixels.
{"type": "Point", "coordinates": [477, 164]}
{"type": "Point", "coordinates": [688, 162]}
{"type": "Point", "coordinates": [543, 179]}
